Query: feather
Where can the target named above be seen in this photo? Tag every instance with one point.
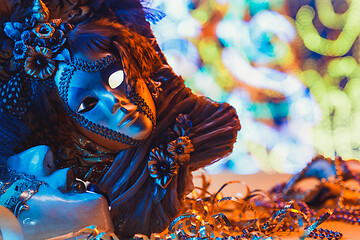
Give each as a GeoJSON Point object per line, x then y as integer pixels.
{"type": "Point", "coordinates": [5, 9]}
{"type": "Point", "coordinates": [153, 15]}
{"type": "Point", "coordinates": [13, 10]}
{"type": "Point", "coordinates": [40, 89]}
{"type": "Point", "coordinates": [89, 38]}
{"type": "Point", "coordinates": [135, 12]}
{"type": "Point", "coordinates": [12, 133]}
{"type": "Point", "coordinates": [137, 53]}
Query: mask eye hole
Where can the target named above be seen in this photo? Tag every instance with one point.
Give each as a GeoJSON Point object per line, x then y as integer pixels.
{"type": "Point", "coordinates": [116, 78]}
{"type": "Point", "coordinates": [87, 104]}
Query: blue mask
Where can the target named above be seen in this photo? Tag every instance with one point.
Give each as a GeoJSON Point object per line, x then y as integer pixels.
{"type": "Point", "coordinates": [108, 108]}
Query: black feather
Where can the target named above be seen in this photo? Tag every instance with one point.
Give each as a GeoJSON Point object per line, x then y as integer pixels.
{"type": "Point", "coordinates": [135, 12]}
{"type": "Point", "coordinates": [12, 134]}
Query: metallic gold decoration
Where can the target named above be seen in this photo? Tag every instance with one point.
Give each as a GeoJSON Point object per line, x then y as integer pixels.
{"type": "Point", "coordinates": [252, 216]}
{"type": "Point", "coordinates": [93, 233]}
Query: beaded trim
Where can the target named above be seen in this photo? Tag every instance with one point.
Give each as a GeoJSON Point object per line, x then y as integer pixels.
{"type": "Point", "coordinates": [140, 102]}
{"type": "Point", "coordinates": [95, 66]}
{"type": "Point", "coordinates": [136, 99]}
{"type": "Point", "coordinates": [87, 124]}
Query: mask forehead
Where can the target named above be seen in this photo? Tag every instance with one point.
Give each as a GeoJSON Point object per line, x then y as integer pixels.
{"type": "Point", "coordinates": [83, 84]}
{"type": "Point", "coordinates": [87, 80]}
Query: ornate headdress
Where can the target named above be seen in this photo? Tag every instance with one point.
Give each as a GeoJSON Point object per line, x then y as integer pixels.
{"type": "Point", "coordinates": [30, 60]}
{"type": "Point", "coordinates": [37, 43]}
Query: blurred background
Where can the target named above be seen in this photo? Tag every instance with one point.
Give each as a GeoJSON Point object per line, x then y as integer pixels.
{"type": "Point", "coordinates": [289, 67]}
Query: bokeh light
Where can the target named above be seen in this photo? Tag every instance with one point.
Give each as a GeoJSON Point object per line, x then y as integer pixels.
{"type": "Point", "coordinates": [289, 67]}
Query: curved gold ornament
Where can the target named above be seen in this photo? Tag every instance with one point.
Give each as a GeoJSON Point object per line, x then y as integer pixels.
{"type": "Point", "coordinates": [40, 12]}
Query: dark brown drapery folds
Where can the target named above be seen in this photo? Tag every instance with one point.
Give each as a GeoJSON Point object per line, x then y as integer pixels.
{"type": "Point", "coordinates": [128, 183]}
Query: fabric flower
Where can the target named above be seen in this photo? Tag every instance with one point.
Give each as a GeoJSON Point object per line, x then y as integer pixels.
{"type": "Point", "coordinates": [162, 167]}
{"type": "Point", "coordinates": [57, 40]}
{"type": "Point", "coordinates": [181, 149]}
{"type": "Point", "coordinates": [182, 125]}
{"type": "Point", "coordinates": [39, 63]}
{"type": "Point", "coordinates": [20, 50]}
{"type": "Point", "coordinates": [28, 37]}
{"type": "Point", "coordinates": [44, 30]}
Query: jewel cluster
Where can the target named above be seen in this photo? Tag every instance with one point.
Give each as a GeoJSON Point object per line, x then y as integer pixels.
{"type": "Point", "coordinates": [29, 57]}
{"type": "Point", "coordinates": [36, 45]}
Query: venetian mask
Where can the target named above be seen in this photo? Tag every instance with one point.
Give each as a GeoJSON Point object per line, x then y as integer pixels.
{"type": "Point", "coordinates": [107, 107]}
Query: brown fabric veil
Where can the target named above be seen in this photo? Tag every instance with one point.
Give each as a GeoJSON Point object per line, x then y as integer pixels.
{"type": "Point", "coordinates": [128, 183]}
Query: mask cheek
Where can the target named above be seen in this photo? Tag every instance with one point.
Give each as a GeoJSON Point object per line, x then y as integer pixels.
{"type": "Point", "coordinates": [101, 116]}
{"type": "Point", "coordinates": [143, 91]}
{"type": "Point", "coordinates": [146, 129]}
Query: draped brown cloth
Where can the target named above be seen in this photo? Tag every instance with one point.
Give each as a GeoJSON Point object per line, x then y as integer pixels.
{"type": "Point", "coordinates": [128, 183]}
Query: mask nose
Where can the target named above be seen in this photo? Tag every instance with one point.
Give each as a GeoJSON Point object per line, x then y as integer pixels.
{"type": "Point", "coordinates": [124, 104]}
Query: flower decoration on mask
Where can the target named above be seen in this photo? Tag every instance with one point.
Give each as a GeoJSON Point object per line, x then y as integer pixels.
{"type": "Point", "coordinates": [180, 149]}
{"type": "Point", "coordinates": [182, 125]}
{"type": "Point", "coordinates": [44, 30]}
{"type": "Point", "coordinates": [162, 167]}
{"type": "Point", "coordinates": [32, 47]}
{"type": "Point", "coordinates": [57, 40]}
{"type": "Point", "coordinates": [35, 47]}
{"type": "Point", "coordinates": [175, 150]}
{"type": "Point", "coordinates": [13, 30]}
{"type": "Point", "coordinates": [39, 63]}
{"type": "Point", "coordinates": [20, 50]}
